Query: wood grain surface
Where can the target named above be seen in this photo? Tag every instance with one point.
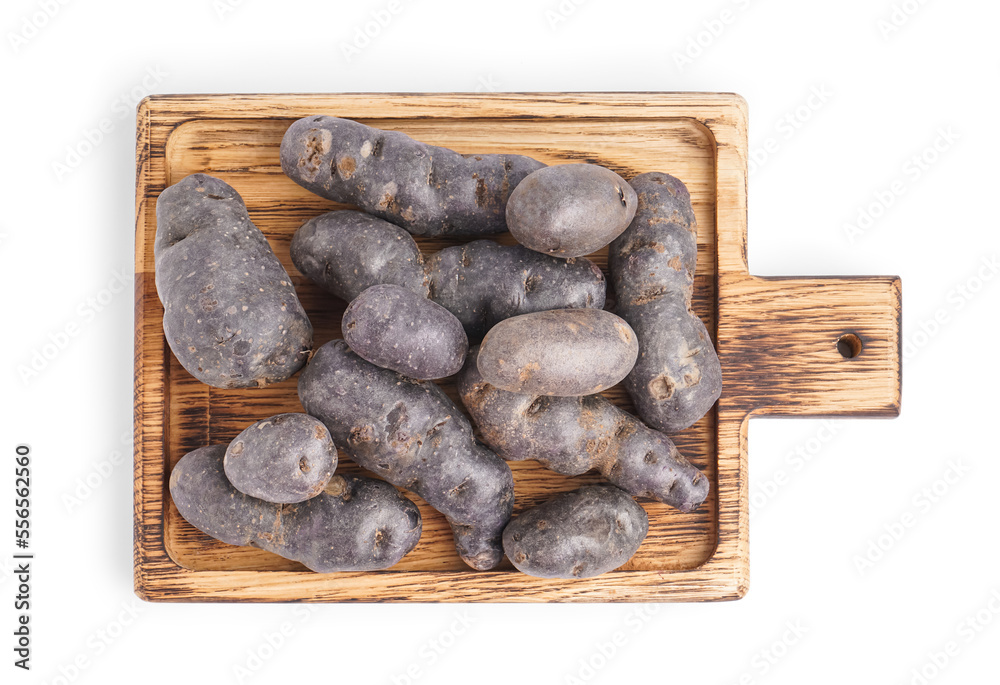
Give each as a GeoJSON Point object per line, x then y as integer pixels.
{"type": "Point", "coordinates": [777, 338]}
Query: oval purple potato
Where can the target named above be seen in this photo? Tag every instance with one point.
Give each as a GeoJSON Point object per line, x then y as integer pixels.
{"type": "Point", "coordinates": [428, 190]}
{"type": "Point", "coordinates": [285, 459]}
{"type": "Point", "coordinates": [356, 524]}
{"type": "Point", "coordinates": [678, 377]}
{"type": "Point", "coordinates": [230, 312]}
{"type": "Point", "coordinates": [397, 329]}
{"type": "Point", "coordinates": [578, 534]}
{"type": "Point", "coordinates": [563, 352]}
{"type": "Point", "coordinates": [411, 434]}
{"type": "Point", "coordinates": [570, 210]}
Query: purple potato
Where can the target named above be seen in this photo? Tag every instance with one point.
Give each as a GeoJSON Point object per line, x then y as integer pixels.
{"type": "Point", "coordinates": [346, 252]}
{"type": "Point", "coordinates": [563, 352]}
{"type": "Point", "coordinates": [577, 534]}
{"type": "Point", "coordinates": [572, 435]}
{"type": "Point", "coordinates": [230, 312]}
{"type": "Point", "coordinates": [428, 190]}
{"type": "Point", "coordinates": [411, 434]}
{"type": "Point", "coordinates": [570, 210]}
{"type": "Point", "coordinates": [483, 283]}
{"type": "Point", "coordinates": [397, 329]}
{"type": "Point", "coordinates": [677, 378]}
{"type": "Point", "coordinates": [356, 524]}
{"type": "Point", "coordinates": [285, 459]}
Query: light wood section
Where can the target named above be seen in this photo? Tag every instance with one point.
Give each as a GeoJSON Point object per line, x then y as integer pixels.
{"type": "Point", "coordinates": [774, 337]}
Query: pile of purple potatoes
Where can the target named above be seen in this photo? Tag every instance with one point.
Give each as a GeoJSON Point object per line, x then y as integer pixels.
{"type": "Point", "coordinates": [524, 327]}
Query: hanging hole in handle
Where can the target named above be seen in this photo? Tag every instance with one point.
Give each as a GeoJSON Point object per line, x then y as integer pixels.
{"type": "Point", "coordinates": [849, 346]}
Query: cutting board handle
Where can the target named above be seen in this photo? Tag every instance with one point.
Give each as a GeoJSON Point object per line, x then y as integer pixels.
{"type": "Point", "coordinates": [811, 346]}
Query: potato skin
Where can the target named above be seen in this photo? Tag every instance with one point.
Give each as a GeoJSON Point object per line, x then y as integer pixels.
{"type": "Point", "coordinates": [411, 434]}
{"type": "Point", "coordinates": [563, 352]}
{"type": "Point", "coordinates": [208, 501]}
{"type": "Point", "coordinates": [577, 534]}
{"type": "Point", "coordinates": [480, 282]}
{"type": "Point", "coordinates": [230, 312]}
{"type": "Point", "coordinates": [285, 459]}
{"type": "Point", "coordinates": [356, 524]}
{"type": "Point", "coordinates": [570, 210]}
{"type": "Point", "coordinates": [572, 435]}
{"type": "Point", "coordinates": [428, 190]}
{"type": "Point", "coordinates": [483, 283]}
{"type": "Point", "coordinates": [397, 329]}
{"type": "Point", "coordinates": [677, 377]}
{"type": "Point", "coordinates": [346, 252]}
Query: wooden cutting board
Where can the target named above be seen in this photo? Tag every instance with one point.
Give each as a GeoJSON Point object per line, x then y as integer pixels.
{"type": "Point", "coordinates": [777, 338]}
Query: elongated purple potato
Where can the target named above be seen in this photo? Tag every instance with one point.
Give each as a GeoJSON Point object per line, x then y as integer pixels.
{"type": "Point", "coordinates": [481, 282]}
{"type": "Point", "coordinates": [572, 435]}
{"type": "Point", "coordinates": [397, 329]}
{"type": "Point", "coordinates": [230, 312]}
{"type": "Point", "coordinates": [427, 190]}
{"type": "Point", "coordinates": [577, 534]}
{"type": "Point", "coordinates": [563, 352]}
{"type": "Point", "coordinates": [356, 524]}
{"type": "Point", "coordinates": [677, 377]}
{"type": "Point", "coordinates": [411, 434]}
{"type": "Point", "coordinates": [285, 459]}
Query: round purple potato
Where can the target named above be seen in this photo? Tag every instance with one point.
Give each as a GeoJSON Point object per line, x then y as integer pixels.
{"type": "Point", "coordinates": [346, 252]}
{"type": "Point", "coordinates": [482, 283]}
{"type": "Point", "coordinates": [570, 210]}
{"type": "Point", "coordinates": [397, 329]}
{"type": "Point", "coordinates": [285, 459]}
{"type": "Point", "coordinates": [572, 435]}
{"type": "Point", "coordinates": [230, 312]}
{"type": "Point", "coordinates": [563, 352]}
{"type": "Point", "coordinates": [411, 434]}
{"type": "Point", "coordinates": [428, 190]}
{"type": "Point", "coordinates": [677, 377]}
{"type": "Point", "coordinates": [356, 524]}
{"type": "Point", "coordinates": [578, 534]}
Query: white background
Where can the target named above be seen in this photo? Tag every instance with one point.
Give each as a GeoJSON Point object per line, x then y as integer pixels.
{"type": "Point", "coordinates": [891, 90]}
